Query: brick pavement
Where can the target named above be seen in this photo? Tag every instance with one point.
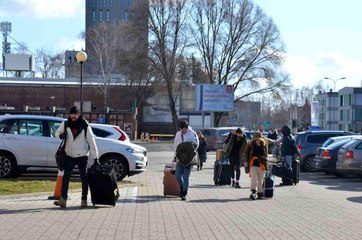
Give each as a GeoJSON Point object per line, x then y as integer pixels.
{"type": "Point", "coordinates": [319, 207]}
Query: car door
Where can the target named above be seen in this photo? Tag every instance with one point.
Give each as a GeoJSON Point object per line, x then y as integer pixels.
{"type": "Point", "coordinates": [25, 138]}
{"type": "Point", "coordinates": [53, 142]}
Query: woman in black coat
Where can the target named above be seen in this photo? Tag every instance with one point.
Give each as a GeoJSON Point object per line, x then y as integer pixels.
{"type": "Point", "coordinates": [201, 150]}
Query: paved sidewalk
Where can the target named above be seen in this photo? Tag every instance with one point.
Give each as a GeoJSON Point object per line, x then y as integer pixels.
{"type": "Point", "coordinates": [319, 207]}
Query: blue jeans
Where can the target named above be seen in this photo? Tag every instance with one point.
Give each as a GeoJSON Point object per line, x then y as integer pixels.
{"type": "Point", "coordinates": [182, 175]}
{"type": "Point", "coordinates": [69, 165]}
{"type": "Point", "coordinates": [289, 159]}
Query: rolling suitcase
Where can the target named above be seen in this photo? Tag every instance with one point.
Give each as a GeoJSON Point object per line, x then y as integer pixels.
{"type": "Point", "coordinates": [268, 185]}
{"type": "Point", "coordinates": [296, 170]}
{"type": "Point", "coordinates": [102, 182]}
{"type": "Point", "coordinates": [171, 186]}
{"type": "Point", "coordinates": [222, 172]}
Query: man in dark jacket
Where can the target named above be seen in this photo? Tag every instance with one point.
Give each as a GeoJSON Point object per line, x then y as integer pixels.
{"type": "Point", "coordinates": [288, 148]}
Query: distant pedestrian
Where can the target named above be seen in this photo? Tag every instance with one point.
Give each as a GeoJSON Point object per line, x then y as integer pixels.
{"type": "Point", "coordinates": [80, 143]}
{"type": "Point", "coordinates": [185, 134]}
{"type": "Point", "coordinates": [201, 150]}
{"type": "Point", "coordinates": [235, 151]}
{"type": "Point", "coordinates": [257, 156]}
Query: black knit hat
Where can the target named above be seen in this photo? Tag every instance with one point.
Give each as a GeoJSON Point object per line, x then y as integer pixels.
{"type": "Point", "coordinates": [73, 110]}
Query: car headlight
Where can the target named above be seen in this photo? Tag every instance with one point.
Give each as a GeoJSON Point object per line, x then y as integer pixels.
{"type": "Point", "coordinates": [134, 150]}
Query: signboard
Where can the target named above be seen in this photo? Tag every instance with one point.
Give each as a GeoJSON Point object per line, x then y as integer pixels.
{"type": "Point", "coordinates": [314, 114]}
{"type": "Point", "coordinates": [214, 98]}
{"type": "Point", "coordinates": [128, 128]}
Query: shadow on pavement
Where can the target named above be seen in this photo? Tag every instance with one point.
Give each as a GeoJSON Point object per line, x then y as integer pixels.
{"type": "Point", "coordinates": [355, 199]}
{"type": "Point", "coordinates": [333, 182]}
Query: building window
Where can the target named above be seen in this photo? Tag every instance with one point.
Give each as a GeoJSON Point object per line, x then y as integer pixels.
{"type": "Point", "coordinates": [358, 115]}
{"type": "Point", "coordinates": [129, 2]}
{"type": "Point", "coordinates": [111, 3]}
{"type": "Point", "coordinates": [90, 2]}
{"type": "Point", "coordinates": [97, 3]}
{"type": "Point", "coordinates": [104, 3]}
{"type": "Point", "coordinates": [93, 15]}
{"type": "Point", "coordinates": [101, 15]}
{"type": "Point", "coordinates": [107, 15]}
{"type": "Point", "coordinates": [123, 3]}
{"type": "Point", "coordinates": [126, 15]}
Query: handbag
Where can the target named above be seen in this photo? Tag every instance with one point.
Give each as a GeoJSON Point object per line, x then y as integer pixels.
{"type": "Point", "coordinates": [60, 156]}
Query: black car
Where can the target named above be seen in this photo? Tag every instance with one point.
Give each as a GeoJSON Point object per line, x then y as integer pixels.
{"type": "Point", "coordinates": [326, 158]}
{"type": "Point", "coordinates": [308, 143]}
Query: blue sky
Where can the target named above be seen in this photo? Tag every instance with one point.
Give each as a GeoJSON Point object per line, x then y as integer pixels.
{"type": "Point", "coordinates": [322, 37]}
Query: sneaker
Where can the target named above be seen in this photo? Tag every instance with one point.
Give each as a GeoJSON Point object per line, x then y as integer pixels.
{"type": "Point", "coordinates": [83, 203]}
{"type": "Point", "coordinates": [61, 203]}
{"type": "Point", "coordinates": [237, 185]}
{"type": "Point", "coordinates": [252, 196]}
{"type": "Point", "coordinates": [233, 183]}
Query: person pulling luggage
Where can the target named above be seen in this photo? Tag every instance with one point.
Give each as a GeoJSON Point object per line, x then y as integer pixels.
{"type": "Point", "coordinates": [183, 169]}
{"type": "Point", "coordinates": [235, 150]}
{"type": "Point", "coordinates": [257, 153]}
{"type": "Point", "coordinates": [79, 144]}
{"type": "Point", "coordinates": [288, 151]}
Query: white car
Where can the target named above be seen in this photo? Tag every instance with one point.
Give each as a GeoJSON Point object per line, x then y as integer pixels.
{"type": "Point", "coordinates": [28, 142]}
{"type": "Point", "coordinates": [109, 131]}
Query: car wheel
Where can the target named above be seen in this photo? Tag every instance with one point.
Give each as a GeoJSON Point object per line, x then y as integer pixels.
{"type": "Point", "coordinates": [119, 164]}
{"type": "Point", "coordinates": [7, 166]}
{"type": "Point", "coordinates": [308, 164]}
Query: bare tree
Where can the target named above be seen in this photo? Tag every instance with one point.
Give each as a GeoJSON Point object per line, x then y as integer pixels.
{"type": "Point", "coordinates": [49, 65]}
{"type": "Point", "coordinates": [168, 40]}
{"type": "Point", "coordinates": [239, 45]}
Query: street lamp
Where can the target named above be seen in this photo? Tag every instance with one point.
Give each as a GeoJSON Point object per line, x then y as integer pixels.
{"type": "Point", "coordinates": [81, 58]}
{"type": "Point", "coordinates": [334, 81]}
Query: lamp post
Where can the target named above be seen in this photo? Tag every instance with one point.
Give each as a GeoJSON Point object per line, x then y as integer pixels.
{"type": "Point", "coordinates": [334, 81]}
{"type": "Point", "coordinates": [81, 58]}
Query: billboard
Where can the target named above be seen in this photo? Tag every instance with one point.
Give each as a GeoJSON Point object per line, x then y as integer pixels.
{"type": "Point", "coordinates": [18, 62]}
{"type": "Point", "coordinates": [214, 98]}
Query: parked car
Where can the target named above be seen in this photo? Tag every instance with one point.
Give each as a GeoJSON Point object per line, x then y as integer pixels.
{"type": "Point", "coordinates": [109, 131]}
{"type": "Point", "coordinates": [350, 158]}
{"type": "Point", "coordinates": [28, 142]}
{"type": "Point", "coordinates": [332, 140]}
{"type": "Point", "coordinates": [308, 142]}
{"type": "Point", "coordinates": [326, 157]}
{"type": "Point", "coordinates": [215, 136]}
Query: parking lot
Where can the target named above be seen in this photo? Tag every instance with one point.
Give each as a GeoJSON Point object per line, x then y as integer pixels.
{"type": "Point", "coordinates": [319, 207]}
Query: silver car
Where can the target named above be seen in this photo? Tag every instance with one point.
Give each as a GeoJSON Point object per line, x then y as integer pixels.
{"type": "Point", "coordinates": [350, 157]}
{"type": "Point", "coordinates": [28, 142]}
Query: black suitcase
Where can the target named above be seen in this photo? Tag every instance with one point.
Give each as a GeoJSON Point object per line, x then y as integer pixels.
{"type": "Point", "coordinates": [296, 171]}
{"type": "Point", "coordinates": [222, 172]}
{"type": "Point", "coordinates": [102, 182]}
{"type": "Point", "coordinates": [268, 185]}
{"type": "Point", "coordinates": [282, 171]}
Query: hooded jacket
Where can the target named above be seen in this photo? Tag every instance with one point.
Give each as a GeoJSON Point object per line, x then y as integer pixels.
{"type": "Point", "coordinates": [288, 146]}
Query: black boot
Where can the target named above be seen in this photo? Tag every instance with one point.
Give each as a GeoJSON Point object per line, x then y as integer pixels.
{"type": "Point", "coordinates": [253, 194]}
{"type": "Point", "coordinates": [237, 185]}
{"type": "Point", "coordinates": [260, 195]}
{"type": "Point", "coordinates": [233, 183]}
{"type": "Point", "coordinates": [183, 197]}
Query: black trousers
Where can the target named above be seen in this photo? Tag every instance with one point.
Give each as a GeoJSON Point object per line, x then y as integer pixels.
{"type": "Point", "coordinates": [69, 165]}
{"type": "Point", "coordinates": [235, 164]}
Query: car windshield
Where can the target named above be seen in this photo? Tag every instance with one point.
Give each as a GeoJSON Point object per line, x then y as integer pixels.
{"type": "Point", "coordinates": [349, 143]}
{"type": "Point", "coordinates": [335, 145]}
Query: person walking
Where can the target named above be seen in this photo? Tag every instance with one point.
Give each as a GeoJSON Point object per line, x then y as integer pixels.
{"type": "Point", "coordinates": [235, 150]}
{"type": "Point", "coordinates": [257, 153]}
{"type": "Point", "coordinates": [288, 151]}
{"type": "Point", "coordinates": [201, 150]}
{"type": "Point", "coordinates": [183, 171]}
{"type": "Point", "coordinates": [80, 143]}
